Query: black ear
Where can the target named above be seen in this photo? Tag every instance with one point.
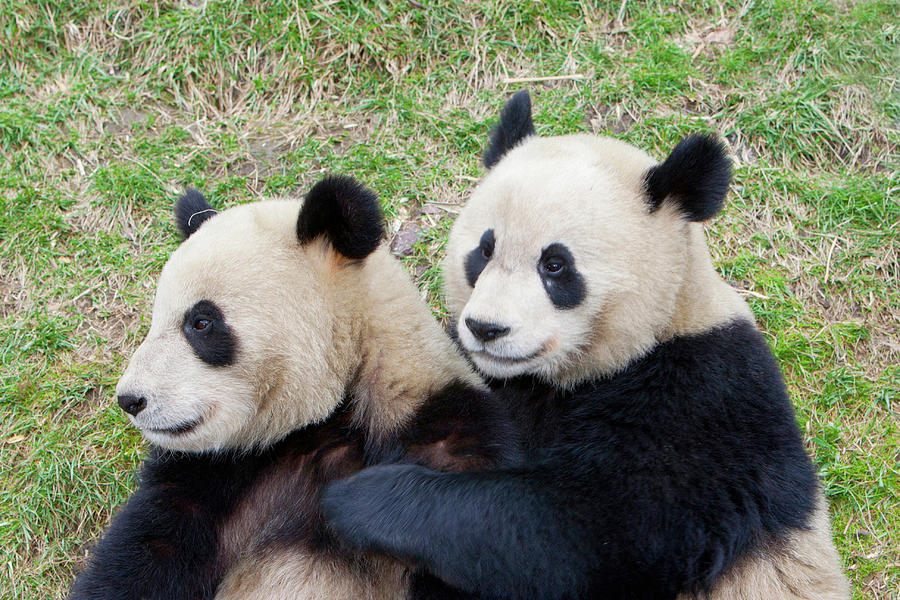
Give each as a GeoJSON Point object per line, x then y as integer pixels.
{"type": "Point", "coordinates": [345, 212]}
{"type": "Point", "coordinates": [695, 175]}
{"type": "Point", "coordinates": [191, 211]}
{"type": "Point", "coordinates": [514, 126]}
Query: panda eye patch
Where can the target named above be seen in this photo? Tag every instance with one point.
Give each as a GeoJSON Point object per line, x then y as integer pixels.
{"type": "Point", "coordinates": [478, 258]}
{"type": "Point", "coordinates": [210, 337]}
{"type": "Point", "coordinates": [486, 244]}
{"type": "Point", "coordinates": [563, 283]}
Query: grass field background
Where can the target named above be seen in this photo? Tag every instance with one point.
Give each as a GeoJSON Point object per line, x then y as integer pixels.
{"type": "Point", "coordinates": [108, 110]}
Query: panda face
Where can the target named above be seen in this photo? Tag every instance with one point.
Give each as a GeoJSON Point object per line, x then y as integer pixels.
{"type": "Point", "coordinates": [241, 327]}
{"type": "Point", "coordinates": [557, 266]}
{"type": "Point", "coordinates": [533, 329]}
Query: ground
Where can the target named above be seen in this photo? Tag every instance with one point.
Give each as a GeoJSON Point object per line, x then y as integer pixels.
{"type": "Point", "coordinates": [108, 110]}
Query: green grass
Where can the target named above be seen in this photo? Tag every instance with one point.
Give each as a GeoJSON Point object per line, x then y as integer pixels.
{"type": "Point", "coordinates": [108, 111]}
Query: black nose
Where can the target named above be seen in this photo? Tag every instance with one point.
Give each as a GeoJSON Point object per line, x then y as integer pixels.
{"type": "Point", "coordinates": [486, 331]}
{"type": "Point", "coordinates": [132, 404]}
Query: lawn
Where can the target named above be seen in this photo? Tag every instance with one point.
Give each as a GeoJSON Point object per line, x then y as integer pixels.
{"type": "Point", "coordinates": [108, 110]}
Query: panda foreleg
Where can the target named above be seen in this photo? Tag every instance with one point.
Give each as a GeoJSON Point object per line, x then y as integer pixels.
{"type": "Point", "coordinates": [151, 551]}
{"type": "Point", "coordinates": [490, 533]}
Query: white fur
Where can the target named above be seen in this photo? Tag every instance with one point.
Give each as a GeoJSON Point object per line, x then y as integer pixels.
{"type": "Point", "coordinates": [308, 322]}
{"type": "Point", "coordinates": [648, 276]}
{"type": "Point", "coordinates": [312, 327]}
{"type": "Point", "coordinates": [587, 193]}
{"type": "Point", "coordinates": [290, 574]}
{"type": "Point", "coordinates": [246, 261]}
{"type": "Point", "coordinates": [806, 568]}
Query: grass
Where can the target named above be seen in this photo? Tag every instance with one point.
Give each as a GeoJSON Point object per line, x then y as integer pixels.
{"type": "Point", "coordinates": [107, 111]}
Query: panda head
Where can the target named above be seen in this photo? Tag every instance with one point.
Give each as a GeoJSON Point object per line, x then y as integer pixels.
{"type": "Point", "coordinates": [576, 254]}
{"type": "Point", "coordinates": [246, 341]}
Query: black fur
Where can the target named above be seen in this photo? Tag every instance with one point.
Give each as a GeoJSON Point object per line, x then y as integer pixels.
{"type": "Point", "coordinates": [181, 531]}
{"type": "Point", "coordinates": [345, 212]}
{"type": "Point", "coordinates": [478, 258]}
{"type": "Point", "coordinates": [642, 485]}
{"type": "Point", "coordinates": [209, 335]}
{"type": "Point", "coordinates": [514, 126]}
{"type": "Point", "coordinates": [562, 281]}
{"type": "Point", "coordinates": [191, 211]}
{"type": "Point", "coordinates": [163, 542]}
{"type": "Point", "coordinates": [695, 175]}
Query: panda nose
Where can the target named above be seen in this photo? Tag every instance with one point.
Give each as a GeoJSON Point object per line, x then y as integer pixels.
{"type": "Point", "coordinates": [132, 404]}
{"type": "Point", "coordinates": [486, 331]}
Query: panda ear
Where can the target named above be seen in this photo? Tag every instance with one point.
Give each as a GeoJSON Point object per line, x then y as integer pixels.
{"type": "Point", "coordinates": [514, 126]}
{"type": "Point", "coordinates": [695, 176]}
{"type": "Point", "coordinates": [191, 211]}
{"type": "Point", "coordinates": [345, 213]}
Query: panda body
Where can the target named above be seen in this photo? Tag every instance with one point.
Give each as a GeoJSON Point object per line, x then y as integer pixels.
{"type": "Point", "coordinates": [663, 455]}
{"type": "Point", "coordinates": [287, 349]}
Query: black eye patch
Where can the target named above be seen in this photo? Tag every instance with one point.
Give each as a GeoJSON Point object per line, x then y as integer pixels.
{"type": "Point", "coordinates": [211, 338]}
{"type": "Point", "coordinates": [478, 258]}
{"type": "Point", "coordinates": [562, 281]}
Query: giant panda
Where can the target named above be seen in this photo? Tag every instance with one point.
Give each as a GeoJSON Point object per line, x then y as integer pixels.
{"type": "Point", "coordinates": [663, 456]}
{"type": "Point", "coordinates": [287, 348]}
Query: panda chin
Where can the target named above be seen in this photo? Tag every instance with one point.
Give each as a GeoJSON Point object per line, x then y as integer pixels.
{"type": "Point", "coordinates": [500, 366]}
{"type": "Point", "coordinates": [176, 437]}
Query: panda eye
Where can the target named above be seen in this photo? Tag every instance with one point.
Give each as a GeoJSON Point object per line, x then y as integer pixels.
{"type": "Point", "coordinates": [487, 252]}
{"type": "Point", "coordinates": [201, 324]}
{"type": "Point", "coordinates": [553, 265]}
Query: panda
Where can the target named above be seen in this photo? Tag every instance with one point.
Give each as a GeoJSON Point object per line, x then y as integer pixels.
{"type": "Point", "coordinates": [663, 458]}
{"type": "Point", "coordinates": [287, 349]}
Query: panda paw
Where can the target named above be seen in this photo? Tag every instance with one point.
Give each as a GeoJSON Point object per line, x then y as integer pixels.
{"type": "Point", "coordinates": [374, 509]}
